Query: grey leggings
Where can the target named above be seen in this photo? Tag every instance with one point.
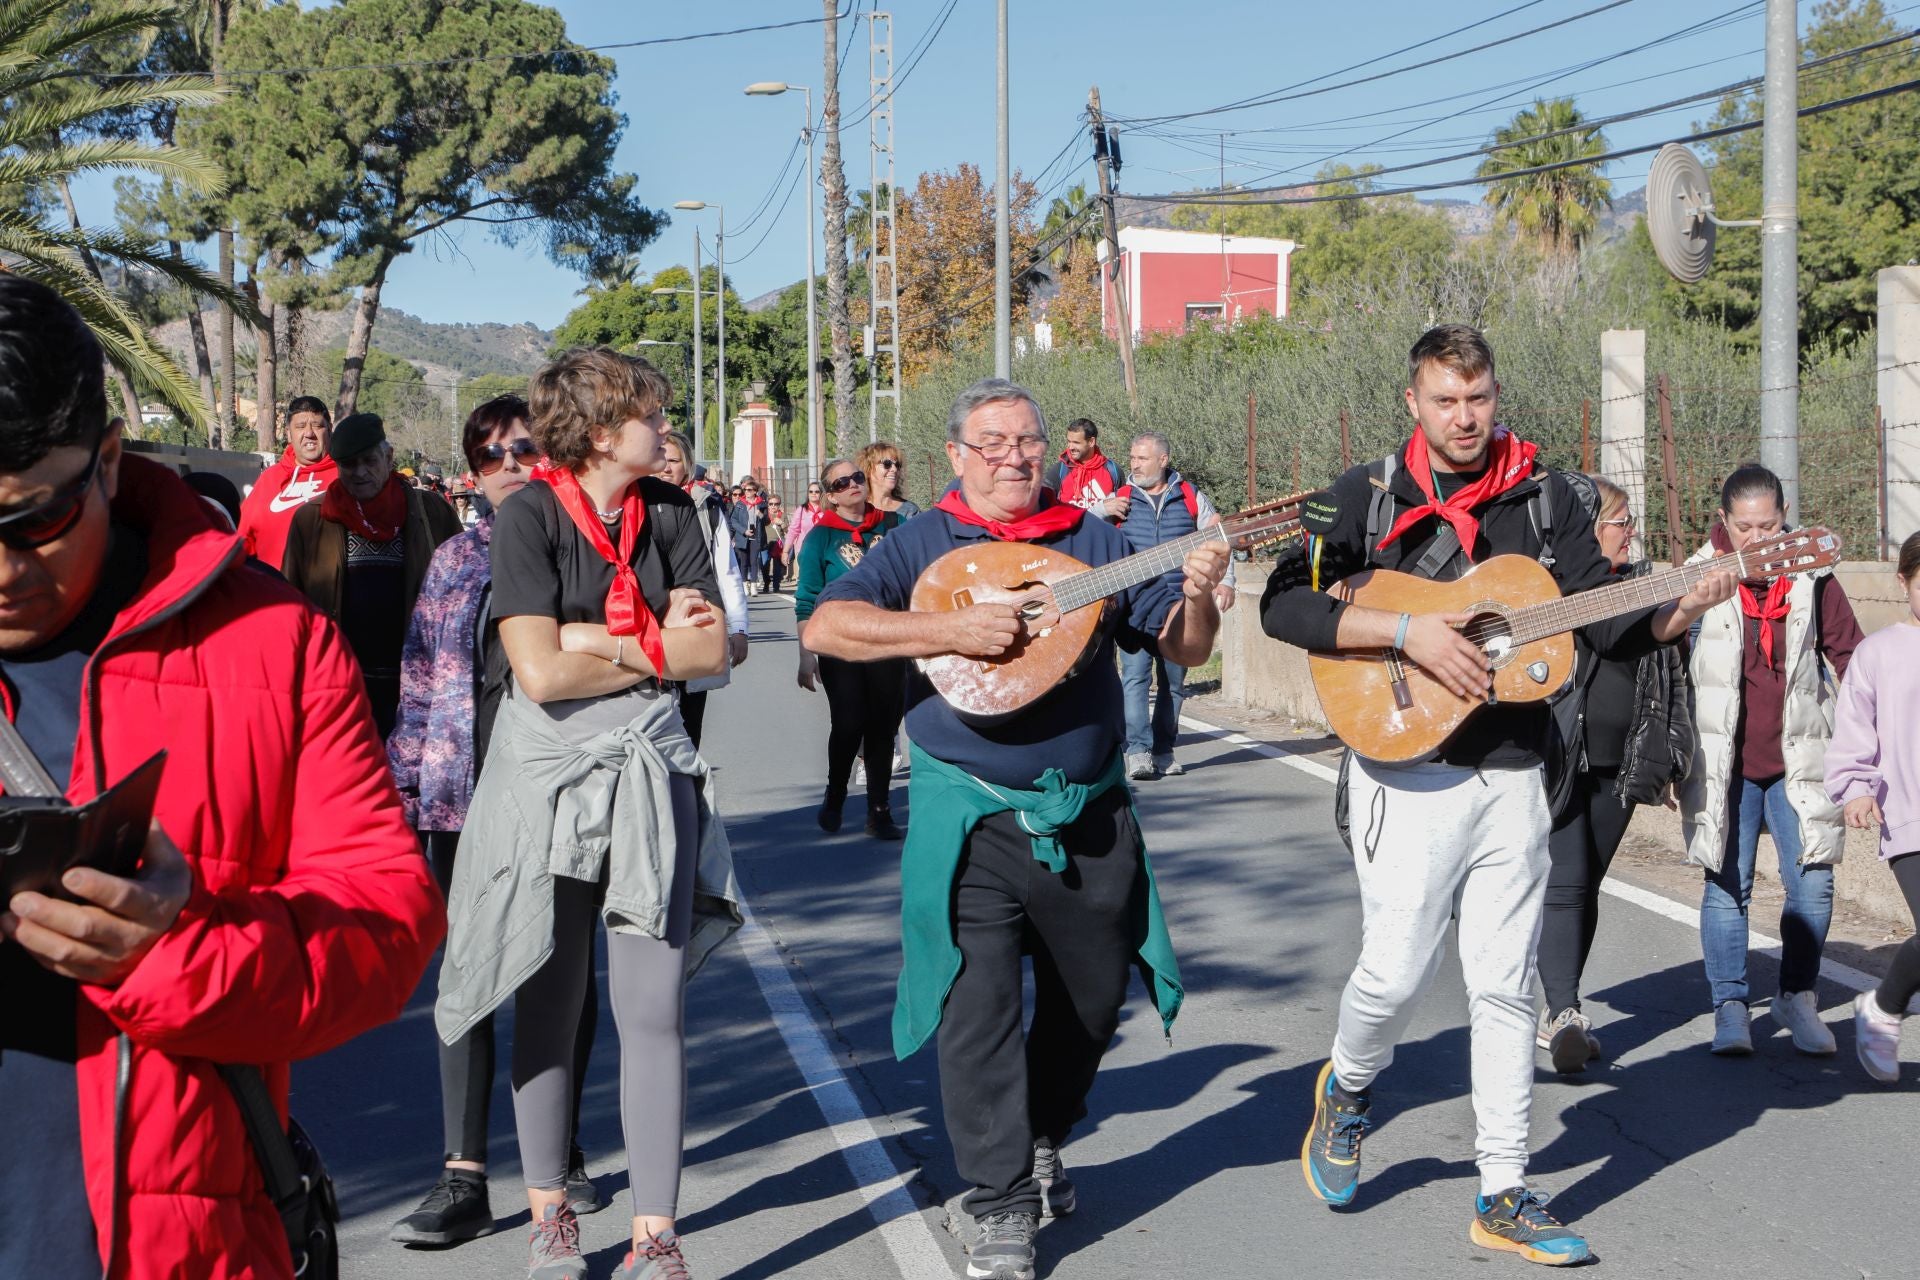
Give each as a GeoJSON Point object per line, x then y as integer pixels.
{"type": "Point", "coordinates": [647, 978]}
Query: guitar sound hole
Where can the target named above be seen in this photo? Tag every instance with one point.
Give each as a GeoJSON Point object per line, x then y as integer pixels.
{"type": "Point", "coordinates": [1493, 635]}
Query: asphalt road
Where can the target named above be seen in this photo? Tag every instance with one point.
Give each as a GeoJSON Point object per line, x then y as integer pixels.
{"type": "Point", "coordinates": [811, 1152]}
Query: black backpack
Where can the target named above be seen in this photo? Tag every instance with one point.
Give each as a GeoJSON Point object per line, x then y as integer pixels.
{"type": "Point", "coordinates": [1445, 559]}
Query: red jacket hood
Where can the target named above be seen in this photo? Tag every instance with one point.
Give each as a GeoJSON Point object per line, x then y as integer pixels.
{"type": "Point", "coordinates": [289, 466]}
{"type": "Point", "coordinates": [185, 548]}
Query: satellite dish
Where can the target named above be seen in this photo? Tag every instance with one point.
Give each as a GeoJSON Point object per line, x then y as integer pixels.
{"type": "Point", "coordinates": [1680, 213]}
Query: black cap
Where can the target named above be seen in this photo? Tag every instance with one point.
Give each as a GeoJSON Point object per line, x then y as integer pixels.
{"type": "Point", "coordinates": [432, 471]}
{"type": "Point", "coordinates": [355, 434]}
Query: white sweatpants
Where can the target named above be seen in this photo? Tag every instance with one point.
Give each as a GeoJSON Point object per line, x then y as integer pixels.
{"type": "Point", "coordinates": [1447, 842]}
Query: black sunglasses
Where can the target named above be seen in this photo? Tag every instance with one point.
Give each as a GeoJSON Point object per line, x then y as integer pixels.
{"type": "Point", "coordinates": [54, 518]}
{"type": "Point", "coordinates": [847, 481]}
{"type": "Point", "coordinates": [488, 459]}
{"type": "Point", "coordinates": [891, 464]}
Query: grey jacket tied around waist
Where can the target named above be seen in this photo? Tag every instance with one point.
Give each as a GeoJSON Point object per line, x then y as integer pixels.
{"type": "Point", "coordinates": [552, 804]}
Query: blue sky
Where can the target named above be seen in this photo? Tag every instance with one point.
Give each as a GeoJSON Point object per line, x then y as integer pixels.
{"type": "Point", "coordinates": [693, 134]}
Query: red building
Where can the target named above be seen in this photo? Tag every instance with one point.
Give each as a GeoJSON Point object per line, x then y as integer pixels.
{"type": "Point", "coordinates": [1178, 279]}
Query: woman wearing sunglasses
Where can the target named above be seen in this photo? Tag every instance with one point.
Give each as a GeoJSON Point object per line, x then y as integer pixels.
{"type": "Point", "coordinates": [887, 475]}
{"type": "Point", "coordinates": [864, 699]}
{"type": "Point", "coordinates": [801, 521]}
{"type": "Point", "coordinates": [446, 714]}
{"type": "Point", "coordinates": [1624, 737]}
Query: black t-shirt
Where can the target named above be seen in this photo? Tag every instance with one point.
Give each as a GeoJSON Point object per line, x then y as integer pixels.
{"type": "Point", "coordinates": [373, 608]}
{"type": "Point", "coordinates": [46, 1226]}
{"type": "Point", "coordinates": [544, 567]}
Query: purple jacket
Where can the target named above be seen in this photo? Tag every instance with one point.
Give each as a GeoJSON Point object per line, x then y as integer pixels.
{"type": "Point", "coordinates": [1873, 751]}
{"type": "Point", "coordinates": [431, 749]}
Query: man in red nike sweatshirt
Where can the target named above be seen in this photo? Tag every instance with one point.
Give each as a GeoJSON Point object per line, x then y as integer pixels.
{"type": "Point", "coordinates": [302, 474]}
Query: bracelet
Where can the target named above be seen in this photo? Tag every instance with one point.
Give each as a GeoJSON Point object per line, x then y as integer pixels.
{"type": "Point", "coordinates": [1400, 636]}
{"type": "Point", "coordinates": [620, 648]}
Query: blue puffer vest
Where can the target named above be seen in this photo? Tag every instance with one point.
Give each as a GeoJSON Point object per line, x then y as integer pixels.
{"type": "Point", "coordinates": [1151, 521]}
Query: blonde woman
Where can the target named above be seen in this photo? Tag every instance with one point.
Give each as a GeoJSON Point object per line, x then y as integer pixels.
{"type": "Point", "coordinates": [887, 474]}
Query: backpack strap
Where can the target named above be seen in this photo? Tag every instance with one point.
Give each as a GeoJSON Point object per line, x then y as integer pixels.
{"type": "Point", "coordinates": [1540, 509]}
{"type": "Point", "coordinates": [1380, 509]}
{"type": "Point", "coordinates": [1192, 500]}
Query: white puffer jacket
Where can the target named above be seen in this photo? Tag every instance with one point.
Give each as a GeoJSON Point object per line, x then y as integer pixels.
{"type": "Point", "coordinates": [1807, 724]}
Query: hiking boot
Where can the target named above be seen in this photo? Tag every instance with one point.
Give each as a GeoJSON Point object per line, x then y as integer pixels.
{"type": "Point", "coordinates": [880, 824]}
{"type": "Point", "coordinates": [1517, 1221]}
{"type": "Point", "coordinates": [1330, 1156]}
{"type": "Point", "coordinates": [454, 1211]}
{"type": "Point", "coordinates": [1140, 766]}
{"type": "Point", "coordinates": [582, 1195]}
{"type": "Point", "coordinates": [1876, 1038]}
{"type": "Point", "coordinates": [1566, 1041]}
{"type": "Point", "coordinates": [1057, 1195]}
{"type": "Point", "coordinates": [1799, 1012]}
{"type": "Point", "coordinates": [829, 815]}
{"type": "Point", "coordinates": [657, 1258]}
{"type": "Point", "coordinates": [553, 1246]}
{"type": "Point", "coordinates": [1004, 1250]}
{"type": "Point", "coordinates": [1731, 1038]}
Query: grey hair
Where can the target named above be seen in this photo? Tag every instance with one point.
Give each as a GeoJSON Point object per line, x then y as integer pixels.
{"type": "Point", "coordinates": [1159, 441]}
{"type": "Point", "coordinates": [988, 391]}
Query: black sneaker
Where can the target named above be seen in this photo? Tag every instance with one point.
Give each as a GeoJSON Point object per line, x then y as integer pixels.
{"type": "Point", "coordinates": [1330, 1156]}
{"type": "Point", "coordinates": [1517, 1221]}
{"type": "Point", "coordinates": [880, 824]}
{"type": "Point", "coordinates": [1004, 1250]}
{"type": "Point", "coordinates": [1057, 1197]}
{"type": "Point", "coordinates": [582, 1195]}
{"type": "Point", "coordinates": [455, 1210]}
{"type": "Point", "coordinates": [829, 815]}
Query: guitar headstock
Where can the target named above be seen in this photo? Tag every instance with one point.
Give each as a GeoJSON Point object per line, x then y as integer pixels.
{"type": "Point", "coordinates": [1794, 551]}
{"type": "Point", "coordinates": [1264, 525]}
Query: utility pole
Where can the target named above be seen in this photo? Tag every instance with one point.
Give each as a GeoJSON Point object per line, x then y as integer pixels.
{"type": "Point", "coordinates": [833, 179]}
{"type": "Point", "coordinates": [883, 327]}
{"type": "Point", "coordinates": [223, 236]}
{"type": "Point", "coordinates": [1117, 279]}
{"type": "Point", "coordinates": [816, 428]}
{"type": "Point", "coordinates": [453, 421]}
{"type": "Point", "coordinates": [1002, 242]}
{"type": "Point", "coordinates": [1779, 254]}
{"type": "Point", "coordinates": [699, 432]}
{"type": "Point", "coordinates": [720, 361]}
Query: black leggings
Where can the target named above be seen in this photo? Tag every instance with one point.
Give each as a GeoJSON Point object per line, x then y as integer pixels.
{"type": "Point", "coordinates": [864, 701]}
{"type": "Point", "coordinates": [1585, 837]}
{"type": "Point", "coordinates": [1903, 974]}
{"type": "Point", "coordinates": [466, 1066]}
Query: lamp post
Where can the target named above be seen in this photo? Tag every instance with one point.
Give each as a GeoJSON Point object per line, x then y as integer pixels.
{"type": "Point", "coordinates": [699, 431]}
{"type": "Point", "coordinates": [720, 293]}
{"type": "Point", "coordinates": [769, 88]}
{"type": "Point", "coordinates": [684, 352]}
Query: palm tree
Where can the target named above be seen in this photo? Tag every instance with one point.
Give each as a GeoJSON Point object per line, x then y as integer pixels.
{"type": "Point", "coordinates": [1061, 256]}
{"type": "Point", "coordinates": [50, 131]}
{"type": "Point", "coordinates": [617, 275]}
{"type": "Point", "coordinates": [1558, 209]}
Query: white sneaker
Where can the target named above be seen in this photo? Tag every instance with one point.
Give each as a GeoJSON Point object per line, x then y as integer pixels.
{"type": "Point", "coordinates": [1168, 766]}
{"type": "Point", "coordinates": [899, 763]}
{"type": "Point", "coordinates": [1140, 766]}
{"type": "Point", "coordinates": [1876, 1038]}
{"type": "Point", "coordinates": [1798, 1012]}
{"type": "Point", "coordinates": [859, 773]}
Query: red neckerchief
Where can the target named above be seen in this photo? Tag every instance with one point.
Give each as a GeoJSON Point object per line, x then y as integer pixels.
{"type": "Point", "coordinates": [1049, 519]}
{"type": "Point", "coordinates": [755, 501]}
{"type": "Point", "coordinates": [1075, 476]}
{"type": "Point", "coordinates": [627, 611]}
{"type": "Point", "coordinates": [1771, 612]}
{"type": "Point", "coordinates": [834, 520]}
{"type": "Point", "coordinates": [1509, 461]}
{"type": "Point", "coordinates": [380, 520]}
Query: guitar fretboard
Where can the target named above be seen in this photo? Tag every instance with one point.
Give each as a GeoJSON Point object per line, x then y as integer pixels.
{"type": "Point", "coordinates": [1569, 613]}
{"type": "Point", "coordinates": [1142, 566]}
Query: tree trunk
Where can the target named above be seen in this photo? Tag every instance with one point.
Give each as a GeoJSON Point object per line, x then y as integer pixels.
{"type": "Point", "coordinates": [266, 418]}
{"type": "Point", "coordinates": [359, 340]}
{"type": "Point", "coordinates": [129, 402]}
{"type": "Point", "coordinates": [834, 176]}
{"type": "Point", "coordinates": [197, 326]}
{"type": "Point", "coordinates": [228, 394]}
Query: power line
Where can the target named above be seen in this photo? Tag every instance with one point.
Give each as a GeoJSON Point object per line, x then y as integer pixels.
{"type": "Point", "coordinates": [1706, 135]}
{"type": "Point", "coordinates": [775, 221]}
{"type": "Point", "coordinates": [912, 60]}
{"type": "Point", "coordinates": [527, 54]}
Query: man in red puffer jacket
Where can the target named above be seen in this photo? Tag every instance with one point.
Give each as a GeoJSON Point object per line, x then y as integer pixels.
{"type": "Point", "coordinates": [281, 906]}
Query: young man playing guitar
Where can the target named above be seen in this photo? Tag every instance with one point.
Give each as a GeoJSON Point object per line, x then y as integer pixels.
{"type": "Point", "coordinates": [1023, 835]}
{"type": "Point", "coordinates": [1465, 833]}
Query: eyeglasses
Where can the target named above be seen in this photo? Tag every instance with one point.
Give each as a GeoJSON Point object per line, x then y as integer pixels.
{"type": "Point", "coordinates": [490, 458]}
{"type": "Point", "coordinates": [891, 464]}
{"type": "Point", "coordinates": [998, 449]}
{"type": "Point", "coordinates": [1624, 522]}
{"type": "Point", "coordinates": [846, 482]}
{"type": "Point", "coordinates": [54, 518]}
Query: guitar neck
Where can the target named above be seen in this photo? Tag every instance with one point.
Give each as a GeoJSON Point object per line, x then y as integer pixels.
{"type": "Point", "coordinates": [1142, 566]}
{"type": "Point", "coordinates": [1570, 613]}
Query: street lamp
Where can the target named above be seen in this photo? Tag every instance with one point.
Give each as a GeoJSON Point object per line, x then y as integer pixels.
{"type": "Point", "coordinates": [684, 352]}
{"type": "Point", "coordinates": [768, 89]}
{"type": "Point", "coordinates": [720, 365]}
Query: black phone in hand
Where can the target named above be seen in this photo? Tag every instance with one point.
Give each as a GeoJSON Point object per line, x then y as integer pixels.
{"type": "Point", "coordinates": [41, 838]}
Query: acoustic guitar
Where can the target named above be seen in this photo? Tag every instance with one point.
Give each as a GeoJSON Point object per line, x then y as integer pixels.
{"type": "Point", "coordinates": [1383, 706]}
{"type": "Point", "coordinates": [1060, 602]}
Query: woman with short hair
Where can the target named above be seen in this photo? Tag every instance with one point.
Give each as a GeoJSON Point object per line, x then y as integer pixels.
{"type": "Point", "coordinates": [886, 474]}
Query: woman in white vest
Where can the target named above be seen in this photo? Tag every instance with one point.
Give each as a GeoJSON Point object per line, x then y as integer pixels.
{"type": "Point", "coordinates": [1766, 666]}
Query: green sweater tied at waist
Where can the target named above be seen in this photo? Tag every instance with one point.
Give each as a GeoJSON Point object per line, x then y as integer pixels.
{"type": "Point", "coordinates": [948, 803]}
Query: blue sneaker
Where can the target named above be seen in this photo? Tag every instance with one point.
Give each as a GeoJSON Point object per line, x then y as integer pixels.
{"type": "Point", "coordinates": [1330, 1156]}
{"type": "Point", "coordinates": [1517, 1221]}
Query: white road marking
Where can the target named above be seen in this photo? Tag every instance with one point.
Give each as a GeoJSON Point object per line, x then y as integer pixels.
{"type": "Point", "coordinates": [905, 1231]}
{"type": "Point", "coordinates": [1843, 974]}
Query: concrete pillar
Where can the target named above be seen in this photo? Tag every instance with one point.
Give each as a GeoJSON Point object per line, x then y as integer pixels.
{"type": "Point", "coordinates": [1899, 366]}
{"type": "Point", "coordinates": [1623, 417]}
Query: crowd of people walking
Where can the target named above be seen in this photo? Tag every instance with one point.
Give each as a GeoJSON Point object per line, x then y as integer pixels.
{"type": "Point", "coordinates": [386, 724]}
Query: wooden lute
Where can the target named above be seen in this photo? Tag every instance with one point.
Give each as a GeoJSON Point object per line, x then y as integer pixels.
{"type": "Point", "coordinates": [1060, 601]}
{"type": "Point", "coordinates": [1386, 708]}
